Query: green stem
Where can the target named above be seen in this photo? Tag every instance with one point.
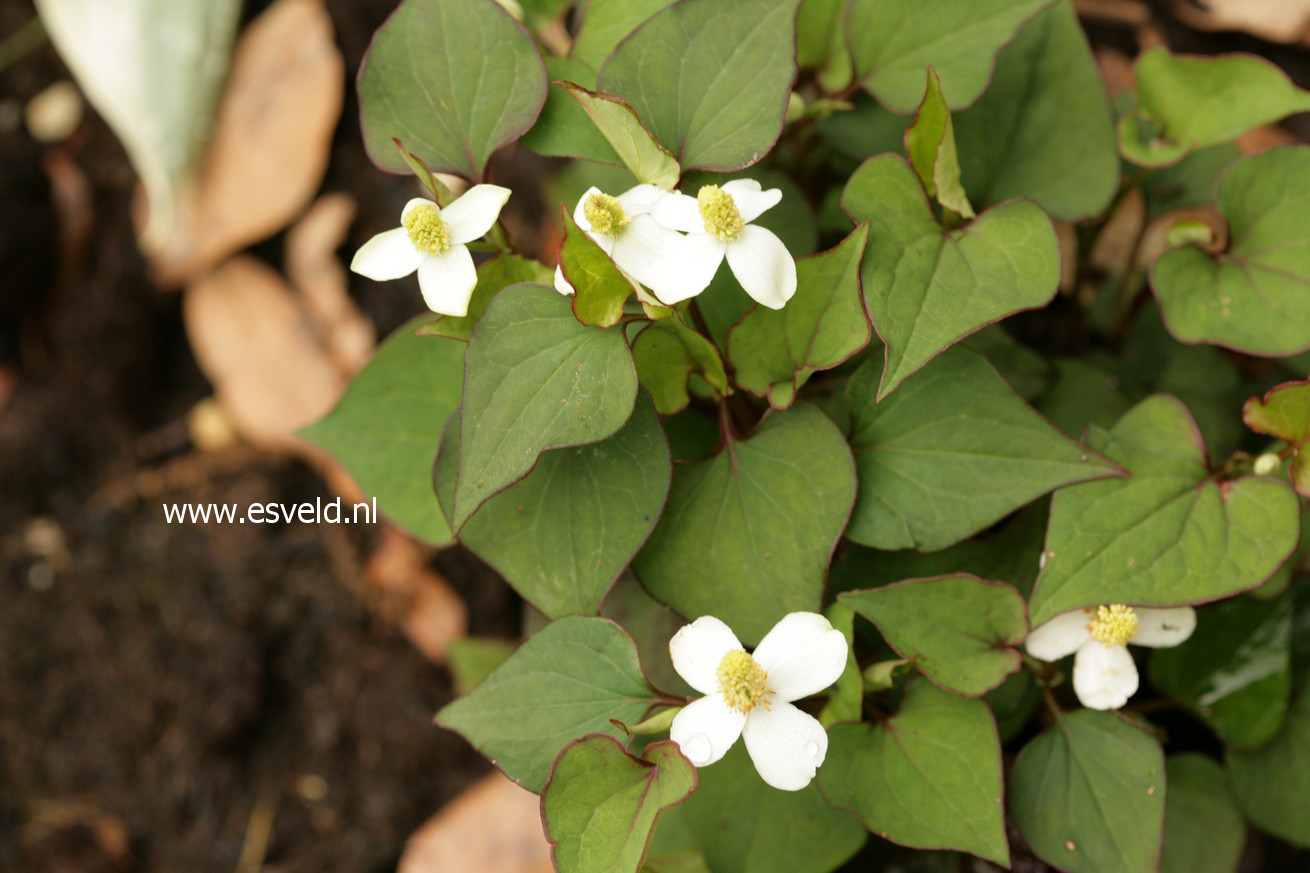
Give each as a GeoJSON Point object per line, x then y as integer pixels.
{"type": "Point", "coordinates": [17, 45]}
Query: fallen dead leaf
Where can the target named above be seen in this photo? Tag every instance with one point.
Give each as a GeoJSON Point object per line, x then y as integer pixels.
{"type": "Point", "coordinates": [1286, 21]}
{"type": "Point", "coordinates": [254, 343]}
{"type": "Point", "coordinates": [1112, 253]}
{"type": "Point", "coordinates": [1262, 139]}
{"type": "Point", "coordinates": [428, 610]}
{"type": "Point", "coordinates": [494, 826]}
{"type": "Point", "coordinates": [271, 140]}
{"type": "Point", "coordinates": [1116, 70]}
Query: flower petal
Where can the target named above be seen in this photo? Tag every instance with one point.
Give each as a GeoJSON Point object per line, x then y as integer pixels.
{"type": "Point", "coordinates": [1061, 636]}
{"type": "Point", "coordinates": [705, 729]}
{"type": "Point", "coordinates": [1163, 628]}
{"type": "Point", "coordinates": [580, 213]}
{"type": "Point", "coordinates": [803, 655]}
{"type": "Point", "coordinates": [677, 211]}
{"type": "Point", "coordinates": [447, 280]}
{"type": "Point", "coordinates": [643, 242]}
{"type": "Point", "coordinates": [751, 201]}
{"type": "Point", "coordinates": [786, 745]}
{"type": "Point", "coordinates": [561, 284]}
{"type": "Point", "coordinates": [389, 255]}
{"type": "Point", "coordinates": [697, 649]}
{"type": "Point", "coordinates": [641, 199]}
{"type": "Point", "coordinates": [1104, 677]}
{"type": "Point", "coordinates": [763, 266]}
{"type": "Point", "coordinates": [473, 213]}
{"type": "Point", "coordinates": [687, 268]}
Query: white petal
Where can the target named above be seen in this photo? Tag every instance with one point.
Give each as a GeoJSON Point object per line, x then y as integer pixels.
{"type": "Point", "coordinates": [447, 281]}
{"type": "Point", "coordinates": [580, 213]}
{"type": "Point", "coordinates": [1163, 628]}
{"type": "Point", "coordinates": [1104, 677]}
{"type": "Point", "coordinates": [474, 212]}
{"type": "Point", "coordinates": [705, 729]}
{"type": "Point", "coordinates": [415, 202]}
{"type": "Point", "coordinates": [687, 268]}
{"type": "Point", "coordinates": [751, 201]}
{"type": "Point", "coordinates": [389, 255]}
{"type": "Point", "coordinates": [803, 655]}
{"type": "Point", "coordinates": [643, 242]}
{"type": "Point", "coordinates": [786, 745]}
{"type": "Point", "coordinates": [697, 649]}
{"type": "Point", "coordinates": [677, 211]}
{"type": "Point", "coordinates": [561, 284]}
{"type": "Point", "coordinates": [641, 199]}
{"type": "Point", "coordinates": [763, 266]}
{"type": "Point", "coordinates": [1061, 636]}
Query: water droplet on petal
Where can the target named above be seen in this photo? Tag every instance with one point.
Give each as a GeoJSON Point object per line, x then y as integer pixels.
{"type": "Point", "coordinates": [697, 749]}
{"type": "Point", "coordinates": [812, 749]}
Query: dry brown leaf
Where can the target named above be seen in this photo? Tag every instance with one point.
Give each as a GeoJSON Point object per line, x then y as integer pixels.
{"type": "Point", "coordinates": [252, 340]}
{"type": "Point", "coordinates": [1116, 70]}
{"type": "Point", "coordinates": [271, 141]}
{"type": "Point", "coordinates": [1286, 21]}
{"type": "Point", "coordinates": [1113, 250]}
{"type": "Point", "coordinates": [494, 826]}
{"type": "Point", "coordinates": [312, 265]}
{"type": "Point", "coordinates": [429, 611]}
{"type": "Point", "coordinates": [1262, 139]}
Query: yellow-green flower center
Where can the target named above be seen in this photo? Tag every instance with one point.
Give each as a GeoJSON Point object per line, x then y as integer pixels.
{"type": "Point", "coordinates": [1113, 625]}
{"type": "Point", "coordinates": [426, 230]}
{"type": "Point", "coordinates": [605, 214]}
{"type": "Point", "coordinates": [719, 212]}
{"type": "Point", "coordinates": [743, 682]}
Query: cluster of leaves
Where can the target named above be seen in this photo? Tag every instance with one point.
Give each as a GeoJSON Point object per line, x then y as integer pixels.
{"type": "Point", "coordinates": [627, 466]}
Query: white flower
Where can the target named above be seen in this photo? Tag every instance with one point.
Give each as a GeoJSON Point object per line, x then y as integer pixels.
{"type": "Point", "coordinates": [432, 241]}
{"type": "Point", "coordinates": [717, 222]}
{"type": "Point", "coordinates": [750, 696]}
{"type": "Point", "coordinates": [1104, 675]}
{"type": "Point", "coordinates": [623, 229]}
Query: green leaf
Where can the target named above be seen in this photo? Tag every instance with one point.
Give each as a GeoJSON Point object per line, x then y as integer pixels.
{"type": "Point", "coordinates": [929, 777]}
{"type": "Point", "coordinates": [816, 24]}
{"type": "Point", "coordinates": [927, 287]}
{"type": "Point", "coordinates": [1045, 128]}
{"type": "Point", "coordinates": [535, 379]}
{"type": "Point", "coordinates": [1272, 784]}
{"type": "Point", "coordinates": [774, 351]}
{"type": "Point", "coordinates": [847, 693]}
{"type": "Point", "coordinates": [1084, 393]}
{"type": "Point", "coordinates": [1088, 795]}
{"type": "Point", "coordinates": [651, 625]}
{"type": "Point", "coordinates": [494, 275]}
{"type": "Point", "coordinates": [952, 452]}
{"type": "Point", "coordinates": [1254, 297]}
{"type": "Point", "coordinates": [563, 129]}
{"type": "Point", "coordinates": [1023, 369]}
{"type": "Point", "coordinates": [600, 806]}
{"type": "Point", "coordinates": [1235, 671]}
{"type": "Point", "coordinates": [667, 353]}
{"type": "Point", "coordinates": [1013, 703]}
{"type": "Point", "coordinates": [745, 826]}
{"type": "Point", "coordinates": [958, 630]}
{"type": "Point", "coordinates": [564, 534]}
{"type": "Point", "coordinates": [747, 534]}
{"type": "Point", "coordinates": [1190, 182]}
{"type": "Point", "coordinates": [710, 78]}
{"type": "Point", "coordinates": [1187, 103]}
{"type": "Point", "coordinates": [1284, 412]}
{"type": "Point", "coordinates": [599, 287]}
{"type": "Point", "coordinates": [892, 41]}
{"type": "Point", "coordinates": [455, 79]}
{"type": "Point", "coordinates": [1203, 828]}
{"type": "Point", "coordinates": [635, 147]}
{"type": "Point", "coordinates": [930, 144]}
{"type": "Point", "coordinates": [472, 659]}
{"type": "Point", "coordinates": [385, 428]}
{"type": "Point", "coordinates": [606, 22]}
{"type": "Point", "coordinates": [566, 681]}
{"type": "Point", "coordinates": [1170, 533]}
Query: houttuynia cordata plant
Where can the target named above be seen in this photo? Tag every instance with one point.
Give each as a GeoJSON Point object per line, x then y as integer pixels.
{"type": "Point", "coordinates": [912, 440]}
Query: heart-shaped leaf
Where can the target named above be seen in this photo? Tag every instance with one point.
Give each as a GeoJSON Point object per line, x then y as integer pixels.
{"type": "Point", "coordinates": [454, 79]}
{"type": "Point", "coordinates": [929, 777]}
{"type": "Point", "coordinates": [927, 287]}
{"type": "Point", "coordinates": [636, 148]}
{"type": "Point", "coordinates": [567, 681]}
{"type": "Point", "coordinates": [1254, 297]}
{"type": "Point", "coordinates": [601, 804]}
{"type": "Point", "coordinates": [1203, 828]}
{"type": "Point", "coordinates": [1272, 784]}
{"type": "Point", "coordinates": [1170, 533]}
{"type": "Point", "coordinates": [494, 275]}
{"type": "Point", "coordinates": [953, 451]}
{"type": "Point", "coordinates": [605, 23]}
{"type": "Point", "coordinates": [747, 534]}
{"type": "Point", "coordinates": [958, 630]}
{"type": "Point", "coordinates": [1088, 795]}
{"type": "Point", "coordinates": [667, 353]}
{"type": "Point", "coordinates": [710, 78]}
{"type": "Point", "coordinates": [535, 379]}
{"type": "Point", "coordinates": [930, 143]}
{"type": "Point", "coordinates": [1284, 413]}
{"type": "Point", "coordinates": [774, 351]}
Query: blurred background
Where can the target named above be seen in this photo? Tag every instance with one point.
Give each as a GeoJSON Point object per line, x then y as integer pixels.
{"type": "Point", "coordinates": [196, 697]}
